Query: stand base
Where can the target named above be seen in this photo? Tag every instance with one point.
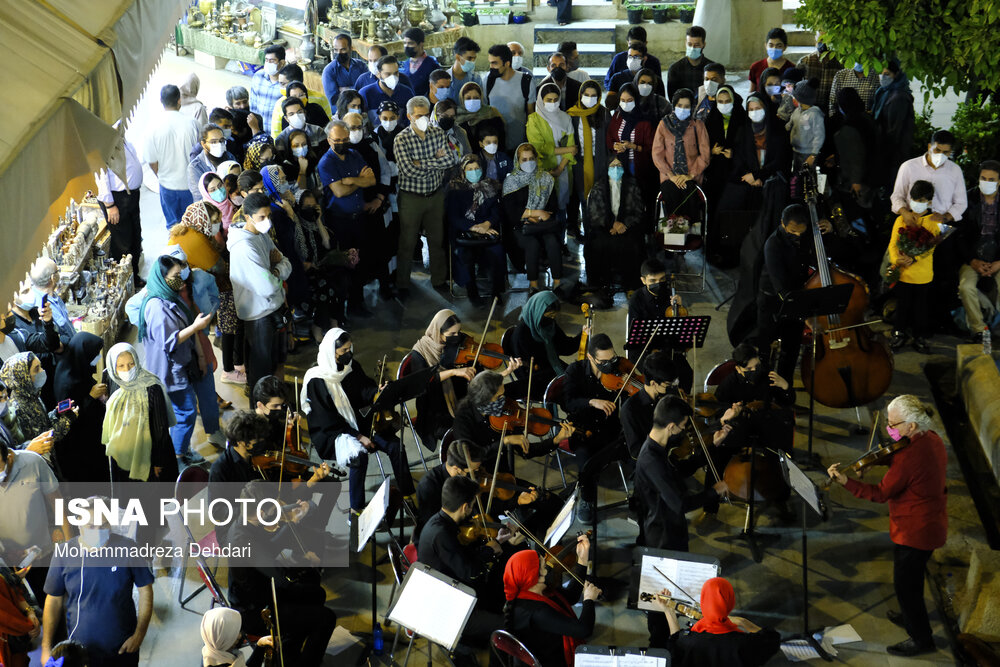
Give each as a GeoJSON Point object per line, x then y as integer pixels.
{"type": "Point", "coordinates": [811, 639]}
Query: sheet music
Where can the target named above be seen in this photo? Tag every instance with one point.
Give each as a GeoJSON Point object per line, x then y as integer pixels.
{"type": "Point", "coordinates": [591, 660]}
{"type": "Point", "coordinates": [641, 661]}
{"type": "Point", "coordinates": [609, 660]}
{"type": "Point", "coordinates": [432, 608]}
{"type": "Point", "coordinates": [560, 526]}
{"type": "Point", "coordinates": [803, 485]}
{"type": "Point", "coordinates": [798, 650]}
{"type": "Point", "coordinates": [689, 575]}
{"type": "Point", "coordinates": [370, 517]}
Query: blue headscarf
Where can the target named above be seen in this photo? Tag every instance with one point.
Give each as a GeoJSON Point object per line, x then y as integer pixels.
{"type": "Point", "coordinates": [157, 288]}
{"type": "Point", "coordinates": [269, 173]}
{"type": "Point", "coordinates": [899, 83]}
{"type": "Point", "coordinates": [541, 328]}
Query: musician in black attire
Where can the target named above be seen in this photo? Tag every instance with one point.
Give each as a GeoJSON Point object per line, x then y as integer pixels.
{"type": "Point", "coordinates": [306, 622]}
{"type": "Point", "coordinates": [270, 400]}
{"type": "Point", "coordinates": [650, 302]}
{"type": "Point", "coordinates": [432, 483]}
{"type": "Point", "coordinates": [660, 487]}
{"type": "Point", "coordinates": [660, 375]}
{"type": "Point", "coordinates": [538, 337]}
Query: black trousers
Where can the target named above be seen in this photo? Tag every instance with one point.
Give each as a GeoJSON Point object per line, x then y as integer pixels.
{"type": "Point", "coordinates": [266, 347]}
{"type": "Point", "coordinates": [359, 470]}
{"type": "Point", "coordinates": [908, 567]}
{"type": "Point", "coordinates": [306, 625]}
{"type": "Point", "coordinates": [678, 201]}
{"type": "Point", "coordinates": [126, 236]}
{"type": "Point", "coordinates": [770, 328]}
{"type": "Point", "coordinates": [912, 305]}
{"type": "Point", "coordinates": [594, 454]}
{"type": "Point", "coordinates": [532, 245]}
{"type": "Point", "coordinates": [610, 254]}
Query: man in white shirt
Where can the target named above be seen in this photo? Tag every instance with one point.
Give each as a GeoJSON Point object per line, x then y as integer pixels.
{"type": "Point", "coordinates": [510, 92]}
{"type": "Point", "coordinates": [121, 206]}
{"type": "Point", "coordinates": [166, 151]}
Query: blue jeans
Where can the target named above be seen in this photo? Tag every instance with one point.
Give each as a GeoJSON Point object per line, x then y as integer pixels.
{"type": "Point", "coordinates": [174, 203]}
{"type": "Point", "coordinates": [208, 405]}
{"type": "Point", "coordinates": [197, 396]}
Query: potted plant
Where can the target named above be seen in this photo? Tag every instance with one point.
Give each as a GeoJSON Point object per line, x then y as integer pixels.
{"type": "Point", "coordinates": [685, 13]}
{"type": "Point", "coordinates": [494, 16]}
{"type": "Point", "coordinates": [469, 16]}
{"type": "Point", "coordinates": [519, 17]}
{"type": "Point", "coordinates": [661, 14]}
{"type": "Point", "coordinates": [634, 11]}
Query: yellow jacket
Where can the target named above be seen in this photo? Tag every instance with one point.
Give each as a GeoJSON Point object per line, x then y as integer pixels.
{"type": "Point", "coordinates": [540, 136]}
{"type": "Point", "coordinates": [921, 271]}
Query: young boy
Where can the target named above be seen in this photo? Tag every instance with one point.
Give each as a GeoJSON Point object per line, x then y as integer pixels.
{"type": "Point", "coordinates": [806, 127]}
{"type": "Point", "coordinates": [777, 41]}
{"type": "Point", "coordinates": [650, 302]}
{"type": "Point", "coordinates": [912, 290]}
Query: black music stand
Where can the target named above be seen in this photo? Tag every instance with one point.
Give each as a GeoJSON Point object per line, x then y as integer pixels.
{"type": "Point", "coordinates": [674, 332]}
{"type": "Point", "coordinates": [398, 392]}
{"type": "Point", "coordinates": [811, 303]}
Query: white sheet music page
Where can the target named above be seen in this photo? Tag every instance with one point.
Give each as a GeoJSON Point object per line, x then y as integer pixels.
{"type": "Point", "coordinates": [432, 608]}
{"type": "Point", "coordinates": [689, 575]}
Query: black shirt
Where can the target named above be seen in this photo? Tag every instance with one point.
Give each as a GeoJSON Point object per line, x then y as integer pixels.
{"type": "Point", "coordinates": [440, 549]}
{"type": "Point", "coordinates": [527, 348]}
{"type": "Point", "coordinates": [229, 468]}
{"type": "Point", "coordinates": [429, 497]}
{"type": "Point", "coordinates": [581, 387]}
{"type": "Point", "coordinates": [433, 417]}
{"type": "Point", "coordinates": [682, 74]}
{"type": "Point", "coordinates": [326, 422]}
{"type": "Point", "coordinates": [736, 388]}
{"type": "Point", "coordinates": [731, 649]}
{"type": "Point", "coordinates": [637, 420]}
{"type": "Point", "coordinates": [786, 264]}
{"type": "Point", "coordinates": [662, 494]}
{"type": "Point", "coordinates": [643, 305]}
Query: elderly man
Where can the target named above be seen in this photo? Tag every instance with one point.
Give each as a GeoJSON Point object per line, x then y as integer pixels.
{"type": "Point", "coordinates": [44, 275]}
{"type": "Point", "coordinates": [238, 99]}
{"type": "Point", "coordinates": [517, 57]}
{"type": "Point", "coordinates": [423, 158]}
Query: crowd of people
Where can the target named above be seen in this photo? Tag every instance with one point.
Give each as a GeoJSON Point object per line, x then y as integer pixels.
{"type": "Point", "coordinates": [283, 205]}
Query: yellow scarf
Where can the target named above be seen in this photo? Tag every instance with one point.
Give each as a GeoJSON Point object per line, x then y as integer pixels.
{"type": "Point", "coordinates": [578, 111]}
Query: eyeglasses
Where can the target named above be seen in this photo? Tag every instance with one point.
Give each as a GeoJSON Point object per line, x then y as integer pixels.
{"type": "Point", "coordinates": [896, 424]}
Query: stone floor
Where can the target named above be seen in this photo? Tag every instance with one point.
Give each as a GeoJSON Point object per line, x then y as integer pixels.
{"type": "Point", "coordinates": [850, 566]}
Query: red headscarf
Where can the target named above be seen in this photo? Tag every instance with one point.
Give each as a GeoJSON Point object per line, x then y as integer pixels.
{"type": "Point", "coordinates": [717, 600]}
{"type": "Point", "coordinates": [519, 576]}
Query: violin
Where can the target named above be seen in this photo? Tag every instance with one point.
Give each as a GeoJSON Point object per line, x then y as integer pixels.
{"type": "Point", "coordinates": [270, 656]}
{"type": "Point", "coordinates": [488, 355]}
{"type": "Point", "coordinates": [505, 488]}
{"type": "Point", "coordinates": [385, 422]}
{"type": "Point", "coordinates": [623, 378]}
{"type": "Point", "coordinates": [877, 457]}
{"type": "Point", "coordinates": [482, 527]}
{"type": "Point", "coordinates": [691, 611]}
{"type": "Point", "coordinates": [554, 555]}
{"type": "Point", "coordinates": [292, 461]}
{"type": "Point", "coordinates": [588, 317]}
{"type": "Point", "coordinates": [540, 422]}
{"type": "Point", "coordinates": [672, 310]}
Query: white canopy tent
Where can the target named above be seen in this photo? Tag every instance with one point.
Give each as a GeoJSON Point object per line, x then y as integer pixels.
{"type": "Point", "coordinates": [74, 68]}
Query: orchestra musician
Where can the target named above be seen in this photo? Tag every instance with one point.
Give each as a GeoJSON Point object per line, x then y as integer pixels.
{"type": "Point", "coordinates": [539, 337]}
{"type": "Point", "coordinates": [914, 488]}
{"type": "Point", "coordinates": [718, 639]}
{"type": "Point", "coordinates": [542, 617]}
{"type": "Point", "coordinates": [439, 346]}
{"type": "Point", "coordinates": [334, 392]}
{"type": "Point", "coordinates": [650, 302]}
{"type": "Point", "coordinates": [432, 483]}
{"type": "Point", "coordinates": [270, 400]}
{"type": "Point", "coordinates": [660, 375]}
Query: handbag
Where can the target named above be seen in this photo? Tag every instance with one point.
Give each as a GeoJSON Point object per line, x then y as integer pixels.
{"type": "Point", "coordinates": [476, 240]}
{"type": "Point", "coordinates": [539, 228]}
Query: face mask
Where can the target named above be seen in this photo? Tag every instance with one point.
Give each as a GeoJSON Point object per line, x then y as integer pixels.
{"type": "Point", "coordinates": [608, 366]}
{"type": "Point", "coordinates": [95, 537]}
{"type": "Point", "coordinates": [494, 408]}
{"type": "Point", "coordinates": [894, 433]}
{"type": "Point", "coordinates": [551, 107]}
{"type": "Point", "coordinates": [529, 166]}
{"type": "Point", "coordinates": [282, 187]}
{"type": "Point", "coordinates": [468, 66]}
{"type": "Point", "coordinates": [391, 81]}
{"type": "Point", "coordinates": [655, 289]}
{"type": "Point", "coordinates": [372, 68]}
{"type": "Point", "coordinates": [473, 175]}
{"type": "Point", "coordinates": [93, 362]}
{"type": "Point", "coordinates": [517, 62]}
{"type": "Point", "coordinates": [339, 147]}
{"type": "Point", "coordinates": [227, 134]}
{"type": "Point", "coordinates": [297, 120]}
{"type": "Point", "coordinates": [682, 114]}
{"type": "Point", "coordinates": [773, 90]}
{"type": "Point", "coordinates": [634, 63]}
{"type": "Point", "coordinates": [301, 151]}
{"type": "Point", "coordinates": [343, 58]}
{"type": "Point", "coordinates": [726, 109]}
{"type": "Point", "coordinates": [345, 359]}
{"type": "Point", "coordinates": [9, 324]}
{"type": "Point", "coordinates": [410, 51]}
{"type": "Point", "coordinates": [627, 106]}
{"type": "Point", "coordinates": [389, 125]}
{"type": "Point", "coordinates": [40, 379]}
{"type": "Point", "coordinates": [216, 228]}
{"type": "Point", "coordinates": [774, 54]}
{"type": "Point", "coordinates": [757, 115]}
{"type": "Point", "coordinates": [453, 340]}
{"type": "Point", "coordinates": [859, 68]}
{"type": "Point", "coordinates": [919, 207]}
{"type": "Point", "coordinates": [820, 47]}
{"type": "Point", "coordinates": [185, 273]}
{"type": "Point", "coordinates": [491, 148]}
{"type": "Point", "coordinates": [422, 123]}
{"type": "Point", "coordinates": [216, 150]}
{"type": "Point", "coordinates": [645, 89]}
{"type": "Point", "coordinates": [443, 93]}
{"type": "Point", "coordinates": [988, 188]}
{"type": "Point", "coordinates": [711, 87]}
{"type": "Point", "coordinates": [446, 123]}
{"type": "Point", "coordinates": [558, 74]}
{"type": "Point", "coordinates": [938, 159]}
{"type": "Point", "coordinates": [264, 226]}
{"type": "Point", "coordinates": [589, 101]}
{"type": "Point", "coordinates": [218, 195]}
{"type": "Point", "coordinates": [270, 69]}
{"type": "Point", "coordinates": [675, 440]}
{"type": "Point", "coordinates": [176, 283]}
{"type": "Point", "coordinates": [356, 136]}
{"type": "Point", "coordinates": [693, 52]}
{"type": "Point", "coordinates": [885, 80]}
{"type": "Point", "coordinates": [472, 106]}
{"type": "Point", "coordinates": [616, 173]}
{"type": "Point", "coordinates": [131, 374]}
{"type": "Point", "coordinates": [238, 200]}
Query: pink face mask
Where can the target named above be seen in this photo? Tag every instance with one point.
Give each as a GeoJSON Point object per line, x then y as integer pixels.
{"type": "Point", "coordinates": [894, 433]}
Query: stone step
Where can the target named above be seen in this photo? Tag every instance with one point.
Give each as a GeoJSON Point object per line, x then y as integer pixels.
{"type": "Point", "coordinates": [596, 73]}
{"type": "Point", "coordinates": [603, 11]}
{"type": "Point", "coordinates": [793, 53]}
{"type": "Point", "coordinates": [799, 36]}
{"type": "Point", "coordinates": [589, 32]}
{"type": "Point", "coordinates": [591, 55]}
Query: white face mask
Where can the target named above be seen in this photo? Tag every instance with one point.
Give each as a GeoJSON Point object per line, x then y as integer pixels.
{"type": "Point", "coordinates": [301, 151]}
{"type": "Point", "coordinates": [589, 101]}
{"type": "Point", "coordinates": [529, 166]}
{"type": "Point", "coordinates": [552, 107]}
{"type": "Point", "coordinates": [356, 136]}
{"type": "Point", "coordinates": [634, 63]}
{"type": "Point", "coordinates": [94, 537]}
{"type": "Point", "coordinates": [216, 228]}
{"type": "Point", "coordinates": [391, 81]}
{"type": "Point", "coordinates": [726, 109]}
{"type": "Point", "coordinates": [3, 411]}
{"type": "Point", "coordinates": [711, 87]}
{"type": "Point", "coordinates": [988, 188]}
{"type": "Point", "coordinates": [93, 362]}
{"type": "Point", "coordinates": [682, 114]}
{"type": "Point", "coordinates": [372, 68]}
{"type": "Point", "coordinates": [491, 148]}
{"type": "Point", "coordinates": [131, 374]}
{"type": "Point", "coordinates": [938, 159]}
{"type": "Point", "coordinates": [422, 123]}
{"type": "Point", "coordinates": [472, 106]}
{"type": "Point", "coordinates": [389, 125]}
{"type": "Point", "coordinates": [693, 52]}
{"type": "Point", "coordinates": [645, 89]}
{"type": "Point", "coordinates": [297, 120]}
{"type": "Point", "coordinates": [517, 62]}
{"type": "Point", "coordinates": [919, 207]}
{"type": "Point", "coordinates": [40, 379]}
{"type": "Point", "coordinates": [264, 226]}
{"type": "Point", "coordinates": [627, 106]}
{"type": "Point", "coordinates": [216, 150]}
{"type": "Point", "coordinates": [757, 115]}
{"type": "Point", "coordinates": [270, 69]}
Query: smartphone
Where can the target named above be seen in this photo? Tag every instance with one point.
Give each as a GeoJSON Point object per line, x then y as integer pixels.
{"type": "Point", "coordinates": [29, 557]}
{"type": "Point", "coordinates": [64, 406]}
{"type": "Point", "coordinates": [45, 300]}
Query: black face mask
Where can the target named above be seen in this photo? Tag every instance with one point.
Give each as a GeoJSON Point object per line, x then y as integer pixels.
{"type": "Point", "coordinates": [453, 340]}
{"type": "Point", "coordinates": [792, 238]}
{"type": "Point", "coordinates": [8, 324]}
{"type": "Point", "coordinates": [410, 51]}
{"type": "Point", "coordinates": [276, 415]}
{"type": "Point", "coordinates": [345, 359]}
{"type": "Point", "coordinates": [609, 366]}
{"type": "Point", "coordinates": [558, 75]}
{"type": "Point", "coordinates": [675, 440]}
{"type": "Point", "coordinates": [446, 123]}
{"type": "Point", "coordinates": [309, 214]}
{"type": "Point", "coordinates": [751, 376]}
{"type": "Point", "coordinates": [340, 148]}
{"type": "Point", "coordinates": [343, 58]}
{"type": "Point", "coordinates": [656, 289]}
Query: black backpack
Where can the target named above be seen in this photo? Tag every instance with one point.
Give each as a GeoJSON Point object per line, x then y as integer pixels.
{"type": "Point", "coordinates": [525, 86]}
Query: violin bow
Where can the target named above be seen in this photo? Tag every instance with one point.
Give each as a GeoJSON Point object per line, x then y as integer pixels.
{"type": "Point", "coordinates": [541, 545]}
{"type": "Point", "coordinates": [708, 458]}
{"type": "Point", "coordinates": [277, 623]}
{"type": "Point", "coordinates": [496, 469]}
{"type": "Point", "coordinates": [381, 375]}
{"type": "Point", "coordinates": [472, 475]}
{"type": "Point", "coordinates": [486, 329]}
{"type": "Point", "coordinates": [527, 400]}
{"type": "Point", "coordinates": [645, 347]}
{"type": "Point", "coordinates": [676, 585]}
{"type": "Point", "coordinates": [298, 428]}
{"type": "Point", "coordinates": [284, 448]}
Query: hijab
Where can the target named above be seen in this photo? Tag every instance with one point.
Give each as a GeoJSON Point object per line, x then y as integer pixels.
{"type": "Point", "coordinates": [431, 350]}
{"type": "Point", "coordinates": [220, 630]}
{"type": "Point", "coordinates": [587, 120]}
{"type": "Point", "coordinates": [269, 174]}
{"type": "Point", "coordinates": [74, 376]}
{"type": "Point", "coordinates": [157, 288]}
{"type": "Point", "coordinates": [519, 576]}
{"type": "Point", "coordinates": [717, 601]}
{"type": "Point", "coordinates": [485, 112]}
{"type": "Point", "coordinates": [189, 89]}
{"type": "Point", "coordinates": [539, 183]}
{"type": "Point", "coordinates": [225, 207]}
{"type": "Point", "coordinates": [196, 215]}
{"type": "Point", "coordinates": [762, 89]}
{"type": "Point", "coordinates": [766, 103]}
{"type": "Point", "coordinates": [254, 147]}
{"type": "Point", "coordinates": [29, 412]}
{"type": "Point", "coordinates": [346, 446]}
{"type": "Point", "coordinates": [558, 120]}
{"type": "Point", "coordinates": [541, 328]}
{"type": "Point", "coordinates": [629, 118]}
{"type": "Point", "coordinates": [224, 168]}
{"type": "Point", "coordinates": [482, 191]}
{"type": "Point", "coordinates": [678, 127]}
{"type": "Point", "coordinates": [126, 433]}
{"type": "Point", "coordinates": [900, 84]}
{"type": "Point", "coordinates": [648, 107]}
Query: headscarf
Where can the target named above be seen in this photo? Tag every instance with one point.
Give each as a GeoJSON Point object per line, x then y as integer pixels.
{"type": "Point", "coordinates": [767, 73]}
{"type": "Point", "coordinates": [74, 375]}
{"type": "Point", "coordinates": [347, 446]}
{"type": "Point", "coordinates": [462, 115]}
{"type": "Point", "coordinates": [220, 629]}
{"type": "Point", "coordinates": [539, 183]}
{"type": "Point", "coordinates": [678, 127]}
{"type": "Point", "coordinates": [558, 120]}
{"type": "Point", "coordinates": [853, 108]}
{"type": "Point", "coordinates": [735, 114]}
{"type": "Point", "coordinates": [629, 118]}
{"type": "Point", "coordinates": [223, 169]}
{"type": "Point", "coordinates": [766, 103]}
{"type": "Point", "coordinates": [225, 207]}
{"type": "Point", "coordinates": [541, 330]}
{"type": "Point", "coordinates": [269, 174]}
{"type": "Point", "coordinates": [431, 350]}
{"type": "Point", "coordinates": [482, 191]}
{"type": "Point", "coordinates": [254, 147]}
{"type": "Point", "coordinates": [189, 89]}
{"type": "Point", "coordinates": [29, 411]}
{"type": "Point", "coordinates": [584, 114]}
{"type": "Point", "coordinates": [157, 288]}
{"type": "Point", "coordinates": [648, 107]}
{"type": "Point", "coordinates": [899, 84]}
{"type": "Point", "coordinates": [520, 574]}
{"type": "Point", "coordinates": [126, 433]}
{"type": "Point", "coordinates": [717, 601]}
{"type": "Point", "coordinates": [196, 216]}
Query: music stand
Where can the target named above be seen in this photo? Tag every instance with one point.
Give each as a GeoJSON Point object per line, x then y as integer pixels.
{"type": "Point", "coordinates": [686, 570]}
{"type": "Point", "coordinates": [397, 393]}
{"type": "Point", "coordinates": [811, 303]}
{"type": "Point", "coordinates": [671, 332]}
{"type": "Point", "coordinates": [563, 521]}
{"type": "Point", "coordinates": [367, 524]}
{"type": "Point", "coordinates": [590, 655]}
{"type": "Point", "coordinates": [811, 499]}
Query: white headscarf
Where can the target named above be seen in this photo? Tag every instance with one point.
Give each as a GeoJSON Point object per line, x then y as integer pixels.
{"type": "Point", "coordinates": [558, 120]}
{"type": "Point", "coordinates": [220, 628]}
{"type": "Point", "coordinates": [223, 169]}
{"type": "Point", "coordinates": [126, 433]}
{"type": "Point", "coordinates": [347, 446]}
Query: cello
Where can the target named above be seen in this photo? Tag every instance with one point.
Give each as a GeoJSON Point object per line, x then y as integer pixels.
{"type": "Point", "coordinates": [852, 365]}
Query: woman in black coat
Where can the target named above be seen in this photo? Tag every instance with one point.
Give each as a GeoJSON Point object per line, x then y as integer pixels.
{"type": "Point", "coordinates": [614, 216]}
{"type": "Point", "coordinates": [760, 152]}
{"type": "Point", "coordinates": [80, 454]}
{"type": "Point", "coordinates": [538, 337]}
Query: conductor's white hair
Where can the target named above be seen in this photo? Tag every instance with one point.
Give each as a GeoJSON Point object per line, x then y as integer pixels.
{"type": "Point", "coordinates": [912, 409]}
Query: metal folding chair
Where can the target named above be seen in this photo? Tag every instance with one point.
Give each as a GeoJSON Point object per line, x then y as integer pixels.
{"type": "Point", "coordinates": [692, 242]}
{"type": "Point", "coordinates": [403, 371]}
{"type": "Point", "coordinates": [192, 481]}
{"type": "Point", "coordinates": [510, 651]}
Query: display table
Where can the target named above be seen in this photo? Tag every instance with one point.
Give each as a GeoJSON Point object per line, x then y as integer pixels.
{"type": "Point", "coordinates": [214, 49]}
{"type": "Point", "coordinates": [444, 38]}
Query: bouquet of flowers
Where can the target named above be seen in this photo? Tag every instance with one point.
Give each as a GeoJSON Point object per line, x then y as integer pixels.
{"type": "Point", "coordinates": [674, 229]}
{"type": "Point", "coordinates": [915, 241]}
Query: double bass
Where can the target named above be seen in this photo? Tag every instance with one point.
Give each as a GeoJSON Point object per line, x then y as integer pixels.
{"type": "Point", "coordinates": [853, 365]}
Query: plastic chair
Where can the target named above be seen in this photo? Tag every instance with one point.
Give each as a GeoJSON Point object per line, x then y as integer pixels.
{"type": "Point", "coordinates": [719, 373]}
{"type": "Point", "coordinates": [192, 481]}
{"type": "Point", "coordinates": [405, 368]}
{"type": "Point", "coordinates": [511, 651]}
{"type": "Point", "coordinates": [692, 242]}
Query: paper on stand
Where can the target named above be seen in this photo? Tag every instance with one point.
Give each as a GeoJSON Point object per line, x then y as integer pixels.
{"type": "Point", "coordinates": [372, 515]}
{"type": "Point", "coordinates": [689, 575]}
